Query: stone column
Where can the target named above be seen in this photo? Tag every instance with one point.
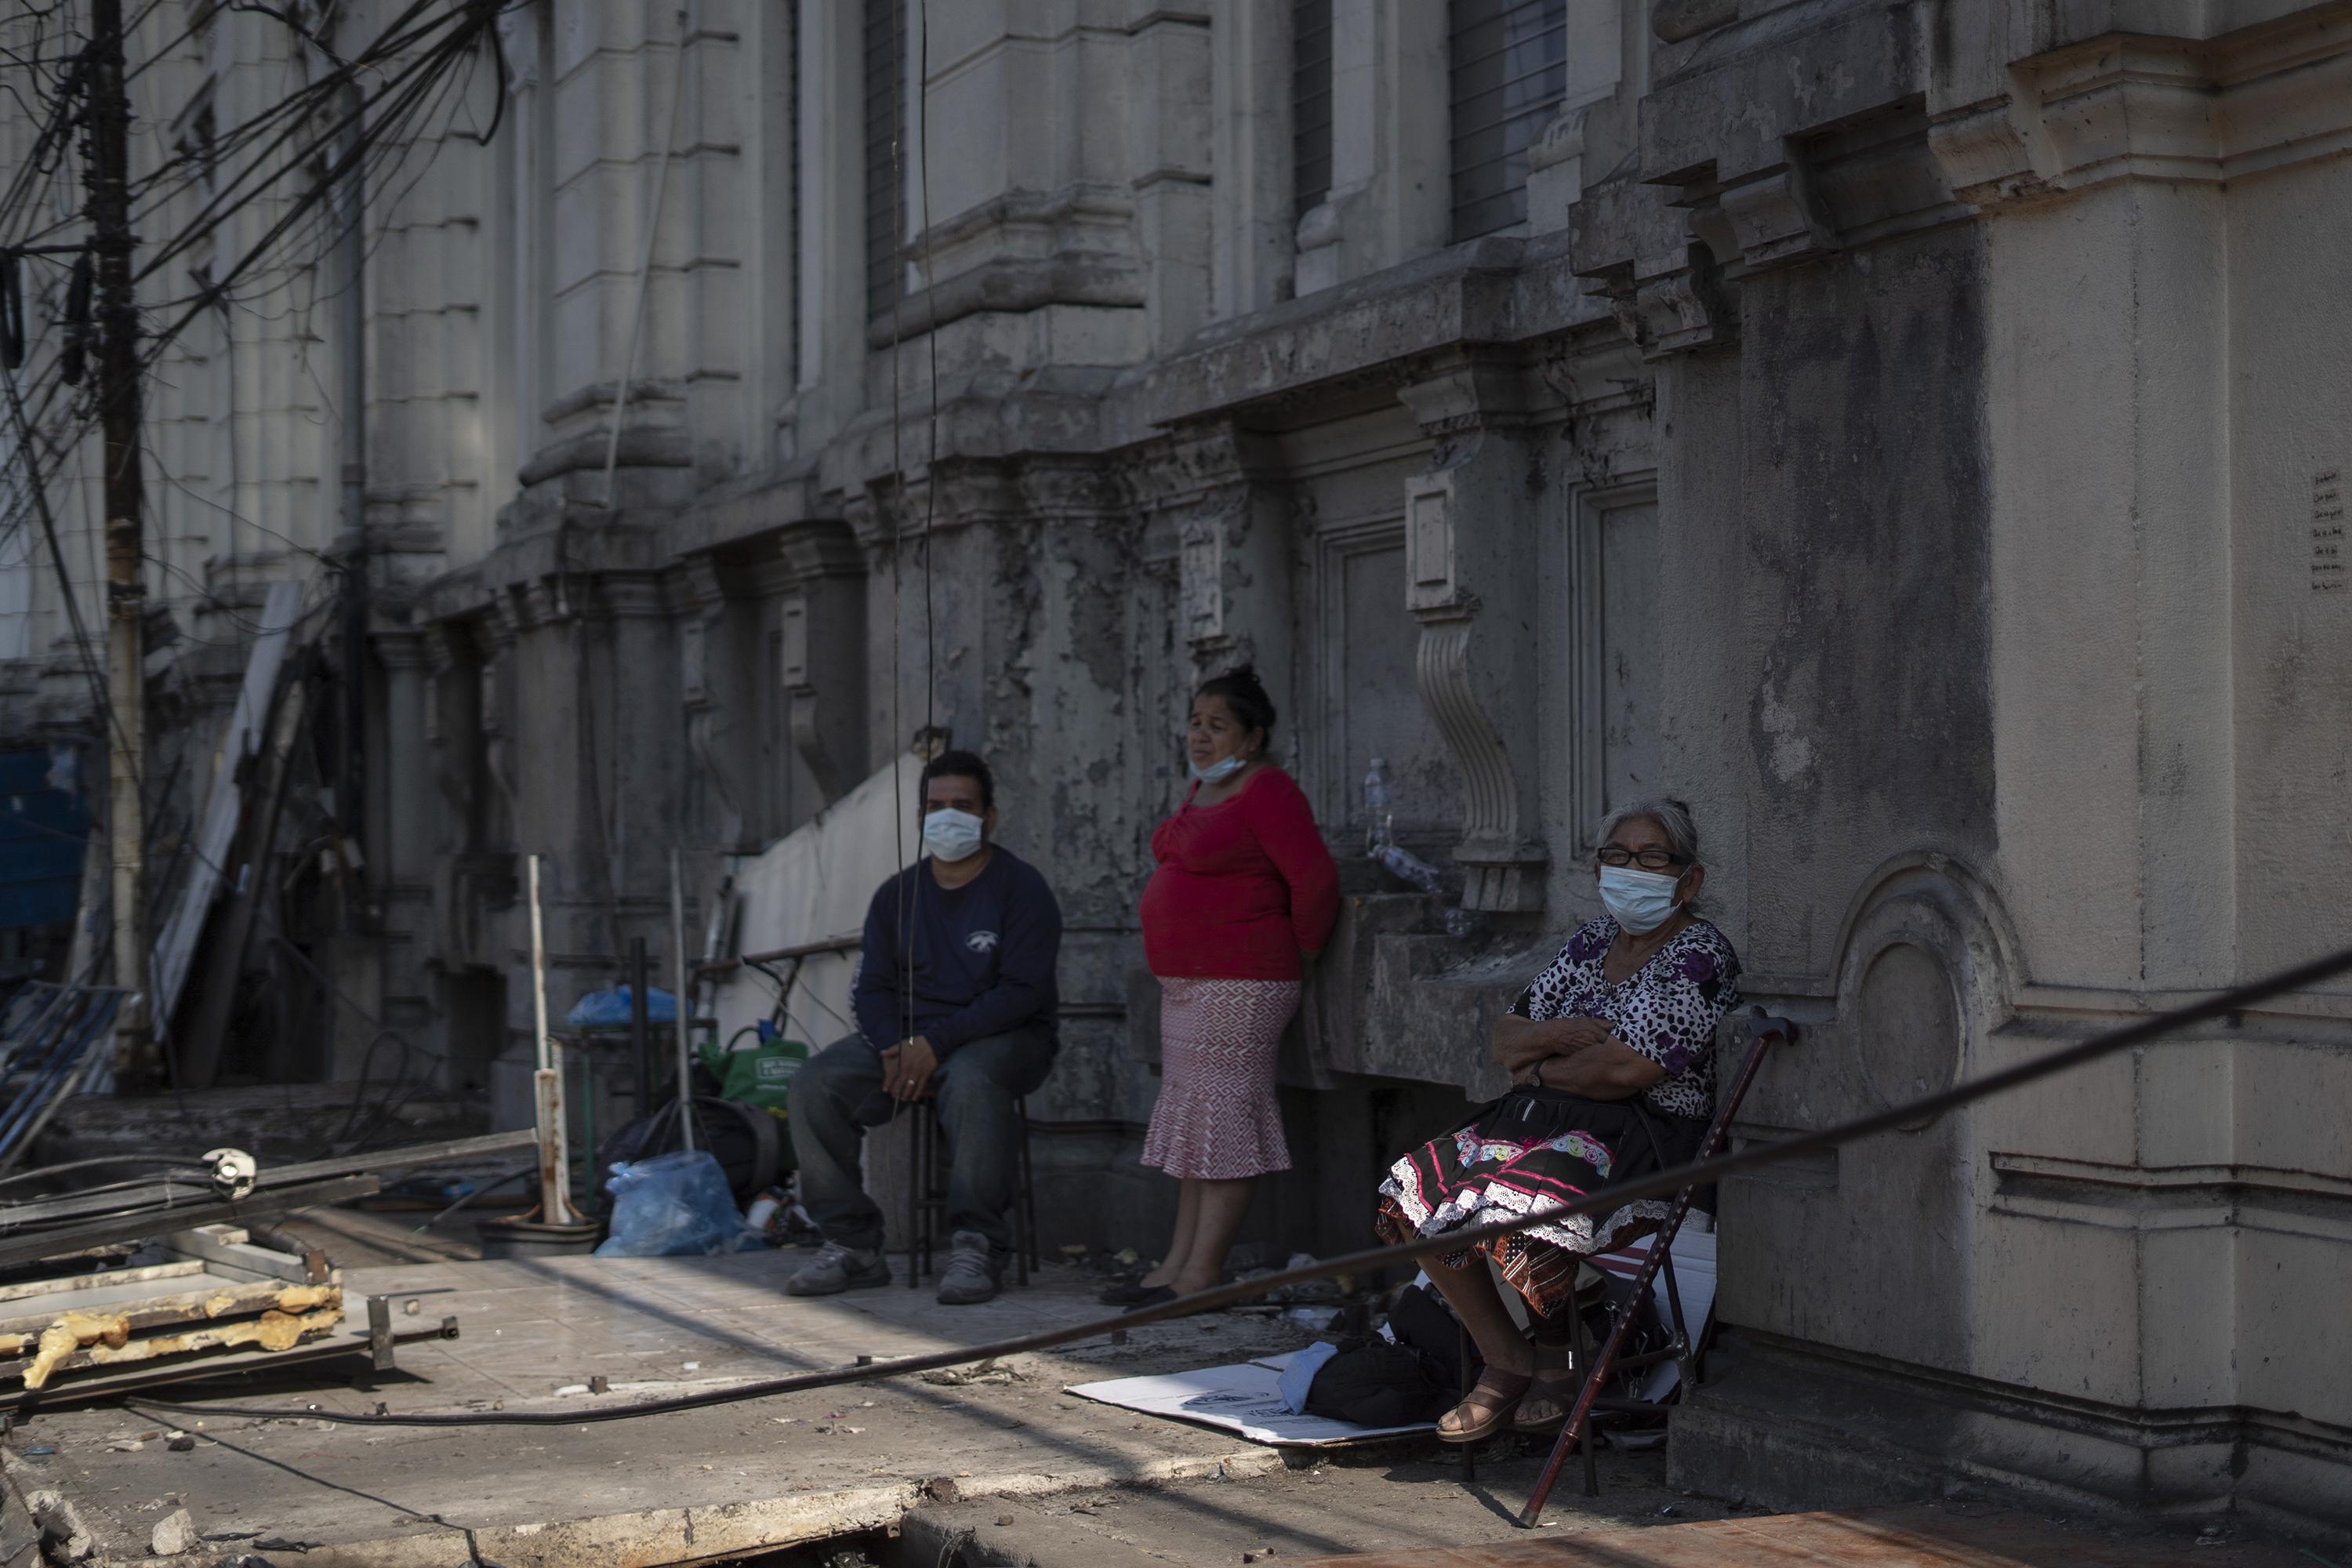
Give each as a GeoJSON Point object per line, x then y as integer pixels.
{"type": "Point", "coordinates": [453, 733]}
{"type": "Point", "coordinates": [407, 781]}
{"type": "Point", "coordinates": [641, 741]}
{"type": "Point", "coordinates": [1471, 570]}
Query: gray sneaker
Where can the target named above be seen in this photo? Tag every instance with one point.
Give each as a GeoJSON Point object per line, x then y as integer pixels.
{"type": "Point", "coordinates": [969, 1276]}
{"type": "Point", "coordinates": [835, 1269]}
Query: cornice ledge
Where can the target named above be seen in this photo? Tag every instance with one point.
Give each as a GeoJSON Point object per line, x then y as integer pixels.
{"type": "Point", "coordinates": [2178, 111]}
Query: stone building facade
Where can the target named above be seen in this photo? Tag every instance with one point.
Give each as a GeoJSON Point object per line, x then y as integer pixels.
{"type": "Point", "coordinates": [1910, 431]}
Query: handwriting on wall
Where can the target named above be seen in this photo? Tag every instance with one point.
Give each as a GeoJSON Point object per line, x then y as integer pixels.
{"type": "Point", "coordinates": [2327, 563]}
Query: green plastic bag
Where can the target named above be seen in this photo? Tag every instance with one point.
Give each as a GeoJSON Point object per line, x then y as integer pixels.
{"type": "Point", "coordinates": [761, 1077]}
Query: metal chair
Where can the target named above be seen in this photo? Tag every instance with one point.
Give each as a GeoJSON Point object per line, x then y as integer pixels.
{"type": "Point", "coordinates": [927, 1195]}
{"type": "Point", "coordinates": [1762, 1031]}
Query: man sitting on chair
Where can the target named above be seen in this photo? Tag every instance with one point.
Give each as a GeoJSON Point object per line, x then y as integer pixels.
{"type": "Point", "coordinates": [955, 1001]}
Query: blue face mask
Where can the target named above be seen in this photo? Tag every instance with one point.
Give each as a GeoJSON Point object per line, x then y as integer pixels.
{"type": "Point", "coordinates": [1218, 772]}
{"type": "Point", "coordinates": [950, 835]}
{"type": "Point", "coordinates": [1640, 901]}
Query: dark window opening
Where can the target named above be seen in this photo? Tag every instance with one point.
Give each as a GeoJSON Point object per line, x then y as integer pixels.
{"type": "Point", "coordinates": [1508, 65]}
{"type": "Point", "coordinates": [1310, 103]}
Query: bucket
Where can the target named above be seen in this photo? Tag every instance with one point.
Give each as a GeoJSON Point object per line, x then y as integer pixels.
{"type": "Point", "coordinates": [536, 1239]}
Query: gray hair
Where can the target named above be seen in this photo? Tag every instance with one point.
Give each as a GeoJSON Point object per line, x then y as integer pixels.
{"type": "Point", "coordinates": [1673, 817]}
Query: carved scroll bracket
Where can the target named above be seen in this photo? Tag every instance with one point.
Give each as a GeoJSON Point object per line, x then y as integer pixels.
{"type": "Point", "coordinates": [1469, 580]}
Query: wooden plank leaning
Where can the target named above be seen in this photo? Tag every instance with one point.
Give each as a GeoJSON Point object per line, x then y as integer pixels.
{"type": "Point", "coordinates": [216, 838]}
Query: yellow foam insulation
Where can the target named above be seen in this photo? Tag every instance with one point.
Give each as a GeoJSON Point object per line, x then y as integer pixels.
{"type": "Point", "coordinates": [106, 1336]}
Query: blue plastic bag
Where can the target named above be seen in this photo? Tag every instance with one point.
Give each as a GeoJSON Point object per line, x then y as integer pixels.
{"type": "Point", "coordinates": [610, 1009]}
{"type": "Point", "coordinates": [672, 1206]}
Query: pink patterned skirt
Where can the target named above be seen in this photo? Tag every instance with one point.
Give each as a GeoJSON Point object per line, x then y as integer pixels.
{"type": "Point", "coordinates": [1217, 1117]}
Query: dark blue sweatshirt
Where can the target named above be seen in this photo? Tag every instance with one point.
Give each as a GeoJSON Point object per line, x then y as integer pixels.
{"type": "Point", "coordinates": [981, 956]}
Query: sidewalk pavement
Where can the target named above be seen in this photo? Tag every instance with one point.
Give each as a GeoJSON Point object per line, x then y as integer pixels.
{"type": "Point", "coordinates": [695, 1485]}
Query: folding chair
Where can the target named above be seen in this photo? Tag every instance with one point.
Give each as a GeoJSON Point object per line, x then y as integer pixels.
{"type": "Point", "coordinates": [927, 1195]}
{"type": "Point", "coordinates": [1761, 1032]}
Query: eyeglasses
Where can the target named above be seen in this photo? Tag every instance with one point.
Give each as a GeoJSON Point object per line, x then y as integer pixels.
{"type": "Point", "coordinates": [1647, 859]}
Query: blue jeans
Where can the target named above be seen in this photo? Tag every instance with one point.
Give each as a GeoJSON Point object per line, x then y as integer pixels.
{"type": "Point", "coordinates": [838, 1095]}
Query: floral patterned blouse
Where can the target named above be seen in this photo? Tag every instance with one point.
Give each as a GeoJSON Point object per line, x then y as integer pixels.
{"type": "Point", "coordinates": [1667, 1010]}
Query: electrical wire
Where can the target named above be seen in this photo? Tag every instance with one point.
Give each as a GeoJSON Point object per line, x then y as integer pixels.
{"type": "Point", "coordinates": [1663, 1183]}
{"type": "Point", "coordinates": [40, 1172]}
{"type": "Point", "coordinates": [382, 1115]}
{"type": "Point", "coordinates": [529, 1170]}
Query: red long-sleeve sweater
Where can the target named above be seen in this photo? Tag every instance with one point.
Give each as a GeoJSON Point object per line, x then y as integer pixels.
{"type": "Point", "coordinates": [1243, 887]}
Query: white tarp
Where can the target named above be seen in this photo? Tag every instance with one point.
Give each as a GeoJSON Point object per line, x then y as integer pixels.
{"type": "Point", "coordinates": [1241, 1398]}
{"type": "Point", "coordinates": [1694, 1255]}
{"type": "Point", "coordinates": [1246, 1399]}
{"type": "Point", "coordinates": [814, 883]}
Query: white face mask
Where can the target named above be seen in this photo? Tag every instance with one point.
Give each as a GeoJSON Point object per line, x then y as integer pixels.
{"type": "Point", "coordinates": [951, 835]}
{"type": "Point", "coordinates": [1218, 772]}
{"type": "Point", "coordinates": [1640, 901]}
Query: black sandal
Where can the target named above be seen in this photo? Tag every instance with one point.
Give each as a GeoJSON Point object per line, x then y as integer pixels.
{"type": "Point", "coordinates": [1124, 1295]}
{"type": "Point", "coordinates": [1493, 1412]}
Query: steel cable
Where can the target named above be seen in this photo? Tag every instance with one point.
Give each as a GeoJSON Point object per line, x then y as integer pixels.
{"type": "Point", "coordinates": [1664, 1184]}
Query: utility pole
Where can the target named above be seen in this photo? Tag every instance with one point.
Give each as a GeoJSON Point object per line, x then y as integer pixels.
{"type": "Point", "coordinates": [116, 320]}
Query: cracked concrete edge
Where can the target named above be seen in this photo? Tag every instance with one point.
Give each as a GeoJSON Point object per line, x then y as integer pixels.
{"type": "Point", "coordinates": [647, 1537]}
{"type": "Point", "coordinates": [20, 1531]}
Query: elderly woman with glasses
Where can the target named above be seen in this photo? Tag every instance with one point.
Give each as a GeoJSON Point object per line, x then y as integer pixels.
{"type": "Point", "coordinates": [1612, 1058]}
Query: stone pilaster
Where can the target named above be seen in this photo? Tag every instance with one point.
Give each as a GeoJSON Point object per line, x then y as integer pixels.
{"type": "Point", "coordinates": [1470, 576]}
{"type": "Point", "coordinates": [1233, 542]}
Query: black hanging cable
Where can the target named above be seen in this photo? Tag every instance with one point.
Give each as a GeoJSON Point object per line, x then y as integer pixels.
{"type": "Point", "coordinates": [1663, 1183]}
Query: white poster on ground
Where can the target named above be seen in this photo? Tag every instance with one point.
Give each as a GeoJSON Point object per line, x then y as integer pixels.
{"type": "Point", "coordinates": [1241, 1398]}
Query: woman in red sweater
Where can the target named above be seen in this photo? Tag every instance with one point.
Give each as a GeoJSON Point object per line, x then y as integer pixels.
{"type": "Point", "coordinates": [1245, 892]}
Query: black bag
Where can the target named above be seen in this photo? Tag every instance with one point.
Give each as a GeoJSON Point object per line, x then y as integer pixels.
{"type": "Point", "coordinates": [1375, 1383]}
{"type": "Point", "coordinates": [748, 1143]}
{"type": "Point", "coordinates": [1419, 1320]}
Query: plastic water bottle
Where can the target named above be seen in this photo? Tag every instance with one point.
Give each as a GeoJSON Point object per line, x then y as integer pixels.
{"type": "Point", "coordinates": [1411, 868]}
{"type": "Point", "coordinates": [1376, 805]}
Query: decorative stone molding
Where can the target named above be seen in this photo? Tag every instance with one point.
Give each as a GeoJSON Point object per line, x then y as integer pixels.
{"type": "Point", "coordinates": [1776, 215]}
{"type": "Point", "coordinates": [1233, 523]}
{"type": "Point", "coordinates": [1681, 303]}
{"type": "Point", "coordinates": [1656, 257]}
{"type": "Point", "coordinates": [824, 624]}
{"type": "Point", "coordinates": [1678, 21]}
{"type": "Point", "coordinates": [2126, 107]}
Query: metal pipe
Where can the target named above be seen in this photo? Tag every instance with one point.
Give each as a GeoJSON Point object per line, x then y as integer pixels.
{"type": "Point", "coordinates": [33, 1246]}
{"type": "Point", "coordinates": [547, 1081]}
{"type": "Point", "coordinates": [641, 1036]}
{"type": "Point", "coordinates": [685, 1055]}
{"type": "Point", "coordinates": [848, 942]}
{"type": "Point", "coordinates": [160, 1195]}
